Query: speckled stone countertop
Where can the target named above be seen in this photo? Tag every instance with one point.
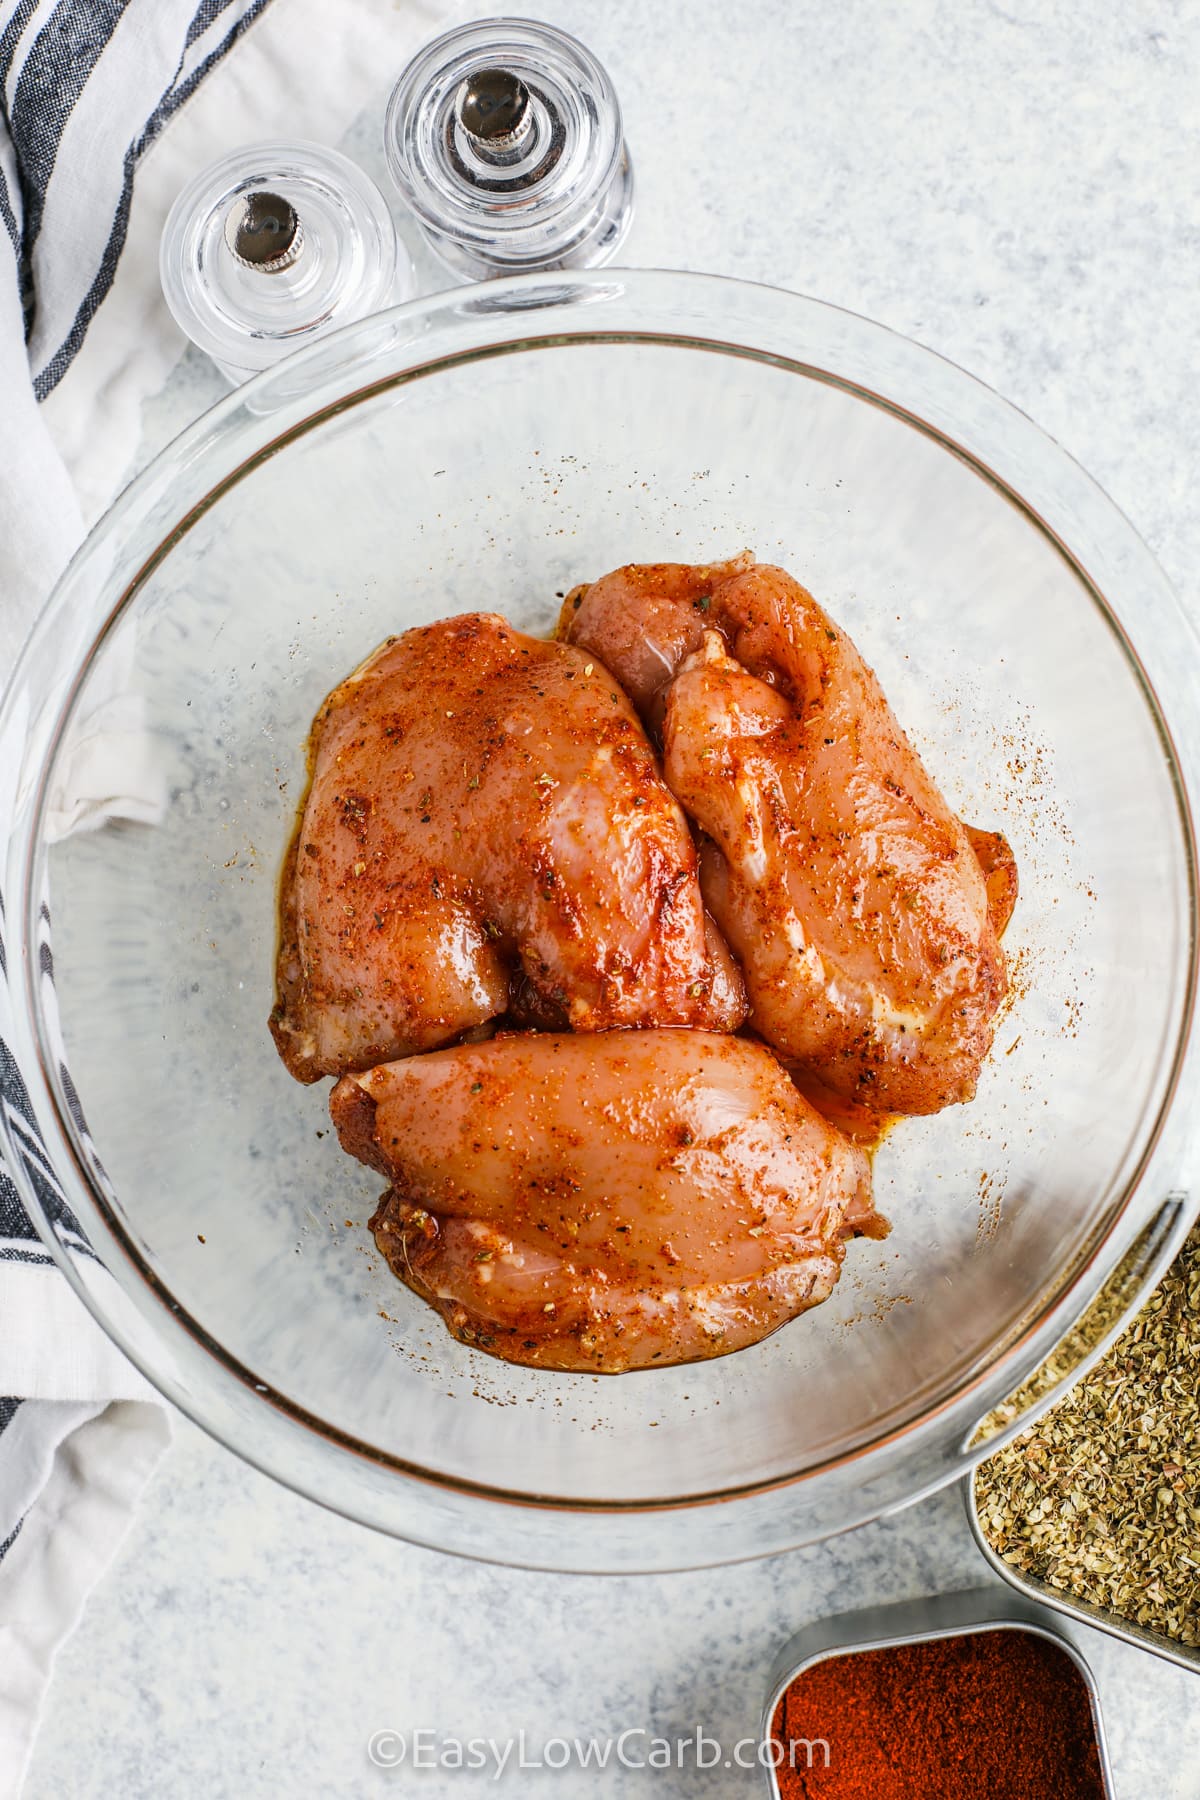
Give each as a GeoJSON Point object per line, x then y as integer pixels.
{"type": "Point", "coordinates": [1014, 185]}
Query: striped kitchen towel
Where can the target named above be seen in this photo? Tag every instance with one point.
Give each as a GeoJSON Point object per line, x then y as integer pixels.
{"type": "Point", "coordinates": [88, 170]}
{"type": "Point", "coordinates": [85, 88]}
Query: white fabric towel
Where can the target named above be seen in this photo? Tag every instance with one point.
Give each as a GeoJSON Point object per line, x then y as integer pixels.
{"type": "Point", "coordinates": [94, 147]}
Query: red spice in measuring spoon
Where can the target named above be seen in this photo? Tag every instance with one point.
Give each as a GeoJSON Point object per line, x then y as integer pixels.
{"type": "Point", "coordinates": [992, 1715]}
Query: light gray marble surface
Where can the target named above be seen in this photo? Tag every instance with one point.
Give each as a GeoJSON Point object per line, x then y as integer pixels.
{"type": "Point", "coordinates": [1013, 184]}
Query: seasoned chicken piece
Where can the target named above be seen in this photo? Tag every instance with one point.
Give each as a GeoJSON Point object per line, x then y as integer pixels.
{"type": "Point", "coordinates": [610, 1202]}
{"type": "Point", "coordinates": [647, 617]}
{"type": "Point", "coordinates": [849, 891]}
{"type": "Point", "coordinates": [486, 829]}
{"type": "Point", "coordinates": [993, 852]}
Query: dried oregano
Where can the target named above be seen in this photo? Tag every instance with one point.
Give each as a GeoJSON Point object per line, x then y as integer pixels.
{"type": "Point", "coordinates": [1101, 1498]}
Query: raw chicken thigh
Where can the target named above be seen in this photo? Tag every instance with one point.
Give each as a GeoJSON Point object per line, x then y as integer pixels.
{"type": "Point", "coordinates": [487, 832]}
{"type": "Point", "coordinates": [494, 879]}
{"type": "Point", "coordinates": [842, 881]}
{"type": "Point", "coordinates": [608, 1202]}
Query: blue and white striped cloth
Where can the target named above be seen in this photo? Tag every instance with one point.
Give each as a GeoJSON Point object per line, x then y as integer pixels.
{"type": "Point", "coordinates": [87, 173]}
{"type": "Point", "coordinates": [86, 86]}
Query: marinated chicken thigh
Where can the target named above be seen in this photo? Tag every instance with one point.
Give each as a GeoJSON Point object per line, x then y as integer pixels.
{"type": "Point", "coordinates": [842, 881]}
{"type": "Point", "coordinates": [608, 1202]}
{"type": "Point", "coordinates": [487, 832]}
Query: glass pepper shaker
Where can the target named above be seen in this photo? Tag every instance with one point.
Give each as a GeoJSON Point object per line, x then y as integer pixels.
{"type": "Point", "coordinates": [504, 138]}
{"type": "Point", "coordinates": [273, 246]}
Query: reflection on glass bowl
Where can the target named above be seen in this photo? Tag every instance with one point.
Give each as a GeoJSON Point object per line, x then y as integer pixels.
{"type": "Point", "coordinates": [492, 448]}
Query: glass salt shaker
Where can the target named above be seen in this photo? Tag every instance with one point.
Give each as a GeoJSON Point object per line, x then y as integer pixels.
{"type": "Point", "coordinates": [273, 246]}
{"type": "Point", "coordinates": [504, 138]}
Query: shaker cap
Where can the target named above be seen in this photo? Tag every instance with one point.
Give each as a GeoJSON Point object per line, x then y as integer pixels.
{"type": "Point", "coordinates": [274, 245]}
{"type": "Point", "coordinates": [504, 137]}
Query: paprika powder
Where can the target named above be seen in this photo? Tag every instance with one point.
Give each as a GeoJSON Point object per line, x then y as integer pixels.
{"type": "Point", "coordinates": [993, 1714]}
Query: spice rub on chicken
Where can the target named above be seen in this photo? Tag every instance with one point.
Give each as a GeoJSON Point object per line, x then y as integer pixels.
{"type": "Point", "coordinates": [487, 832]}
{"type": "Point", "coordinates": [525, 944]}
{"type": "Point", "coordinates": [602, 1203]}
{"type": "Point", "coordinates": [865, 925]}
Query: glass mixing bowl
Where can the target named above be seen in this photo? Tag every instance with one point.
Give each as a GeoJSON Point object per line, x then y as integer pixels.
{"type": "Point", "coordinates": [490, 448]}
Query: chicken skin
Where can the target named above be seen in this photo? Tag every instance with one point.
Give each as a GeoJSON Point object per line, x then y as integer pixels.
{"type": "Point", "coordinates": [865, 925]}
{"type": "Point", "coordinates": [486, 832]}
{"type": "Point", "coordinates": [606, 1203]}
